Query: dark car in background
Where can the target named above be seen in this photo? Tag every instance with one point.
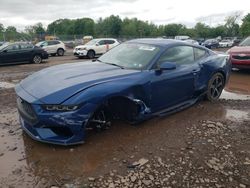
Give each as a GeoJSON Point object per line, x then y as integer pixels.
{"type": "Point", "coordinates": [240, 55]}
{"type": "Point", "coordinates": [13, 53]}
{"type": "Point", "coordinates": [211, 43]}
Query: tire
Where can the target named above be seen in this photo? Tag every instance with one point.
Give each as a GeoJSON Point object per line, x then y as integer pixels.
{"type": "Point", "coordinates": [37, 59]}
{"type": "Point", "coordinates": [100, 120]}
{"type": "Point", "coordinates": [60, 52]}
{"type": "Point", "coordinates": [215, 87]}
{"type": "Point", "coordinates": [91, 54]}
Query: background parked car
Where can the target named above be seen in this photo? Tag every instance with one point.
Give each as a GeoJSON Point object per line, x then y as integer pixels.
{"type": "Point", "coordinates": [11, 53]}
{"type": "Point", "coordinates": [240, 55]}
{"type": "Point", "coordinates": [1, 43]}
{"type": "Point", "coordinates": [211, 43]}
{"type": "Point", "coordinates": [53, 47]}
{"type": "Point", "coordinates": [181, 37]}
{"type": "Point", "coordinates": [192, 41]}
{"type": "Point", "coordinates": [95, 47]}
{"type": "Point", "coordinates": [226, 43]}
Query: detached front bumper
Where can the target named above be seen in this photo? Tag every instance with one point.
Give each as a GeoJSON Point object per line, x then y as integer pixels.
{"type": "Point", "coordinates": [80, 53]}
{"type": "Point", "coordinates": [62, 128]}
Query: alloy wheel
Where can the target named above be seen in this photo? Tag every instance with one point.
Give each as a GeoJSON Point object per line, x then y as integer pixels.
{"type": "Point", "coordinates": [215, 87]}
{"type": "Point", "coordinates": [37, 59]}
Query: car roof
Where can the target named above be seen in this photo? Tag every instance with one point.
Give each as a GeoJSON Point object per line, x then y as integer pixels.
{"type": "Point", "coordinates": [157, 41]}
{"type": "Point", "coordinates": [10, 43]}
{"type": "Point", "coordinates": [104, 39]}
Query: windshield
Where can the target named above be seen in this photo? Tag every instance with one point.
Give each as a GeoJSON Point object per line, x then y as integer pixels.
{"type": "Point", "coordinates": [130, 55]}
{"type": "Point", "coordinates": [245, 42]}
{"type": "Point", "coordinates": [92, 42]}
{"type": "Point", "coordinates": [4, 46]}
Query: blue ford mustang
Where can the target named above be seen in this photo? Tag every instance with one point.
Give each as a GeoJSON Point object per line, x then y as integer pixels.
{"type": "Point", "coordinates": [134, 81]}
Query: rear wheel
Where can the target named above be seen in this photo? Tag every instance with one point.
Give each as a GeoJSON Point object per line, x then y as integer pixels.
{"type": "Point", "coordinates": [91, 54]}
{"type": "Point", "coordinates": [215, 87]}
{"type": "Point", "coordinates": [60, 52]}
{"type": "Point", "coordinates": [37, 59]}
{"type": "Point", "coordinates": [101, 120]}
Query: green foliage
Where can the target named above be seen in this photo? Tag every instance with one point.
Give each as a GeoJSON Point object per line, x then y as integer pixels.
{"type": "Point", "coordinates": [231, 25]}
{"type": "Point", "coordinates": [114, 26]}
{"type": "Point", "coordinates": [245, 27]}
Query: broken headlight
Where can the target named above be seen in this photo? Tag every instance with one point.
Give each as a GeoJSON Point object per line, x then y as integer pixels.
{"type": "Point", "coordinates": [60, 108]}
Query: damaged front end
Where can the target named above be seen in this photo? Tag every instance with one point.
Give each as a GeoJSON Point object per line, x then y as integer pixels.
{"type": "Point", "coordinates": [129, 109]}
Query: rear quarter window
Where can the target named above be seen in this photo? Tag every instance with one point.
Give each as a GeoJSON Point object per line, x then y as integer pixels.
{"type": "Point", "coordinates": [199, 53]}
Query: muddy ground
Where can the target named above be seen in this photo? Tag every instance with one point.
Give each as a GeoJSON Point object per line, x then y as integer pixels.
{"type": "Point", "coordinates": [207, 145]}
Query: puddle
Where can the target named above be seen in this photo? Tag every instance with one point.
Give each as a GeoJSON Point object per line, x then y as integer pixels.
{"type": "Point", "coordinates": [234, 96]}
{"type": "Point", "coordinates": [237, 115]}
{"type": "Point", "coordinates": [238, 86]}
{"type": "Point", "coordinates": [6, 85]}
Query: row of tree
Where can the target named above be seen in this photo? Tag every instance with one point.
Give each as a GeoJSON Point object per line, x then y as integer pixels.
{"type": "Point", "coordinates": [114, 26]}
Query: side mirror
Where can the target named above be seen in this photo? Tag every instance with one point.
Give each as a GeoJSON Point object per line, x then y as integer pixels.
{"type": "Point", "coordinates": [5, 51]}
{"type": "Point", "coordinates": [41, 45]}
{"type": "Point", "coordinates": [167, 66]}
{"type": "Point", "coordinates": [97, 44]}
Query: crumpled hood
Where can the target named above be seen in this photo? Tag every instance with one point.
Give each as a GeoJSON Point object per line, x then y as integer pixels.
{"type": "Point", "coordinates": [56, 84]}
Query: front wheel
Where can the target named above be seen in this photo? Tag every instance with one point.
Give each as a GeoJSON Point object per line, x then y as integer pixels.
{"type": "Point", "coordinates": [37, 59]}
{"type": "Point", "coordinates": [215, 87]}
{"type": "Point", "coordinates": [91, 54]}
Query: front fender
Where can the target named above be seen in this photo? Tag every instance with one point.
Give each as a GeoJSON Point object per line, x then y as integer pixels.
{"type": "Point", "coordinates": [100, 93]}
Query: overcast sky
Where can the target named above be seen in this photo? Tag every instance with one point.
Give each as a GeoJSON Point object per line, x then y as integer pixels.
{"type": "Point", "coordinates": [27, 12]}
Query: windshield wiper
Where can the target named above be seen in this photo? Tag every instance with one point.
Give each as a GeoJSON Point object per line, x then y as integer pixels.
{"type": "Point", "coordinates": [110, 64]}
{"type": "Point", "coordinates": [114, 65]}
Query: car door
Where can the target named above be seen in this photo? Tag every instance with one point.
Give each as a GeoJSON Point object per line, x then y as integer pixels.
{"type": "Point", "coordinates": [52, 47]}
{"type": "Point", "coordinates": [111, 44]}
{"type": "Point", "coordinates": [171, 87]}
{"type": "Point", "coordinates": [26, 52]}
{"type": "Point", "coordinates": [101, 47]}
{"type": "Point", "coordinates": [12, 54]}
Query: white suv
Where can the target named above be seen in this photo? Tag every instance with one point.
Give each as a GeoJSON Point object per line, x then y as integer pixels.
{"type": "Point", "coordinates": [53, 47]}
{"type": "Point", "coordinates": [95, 47]}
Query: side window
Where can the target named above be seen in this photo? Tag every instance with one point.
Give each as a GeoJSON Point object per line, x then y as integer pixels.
{"type": "Point", "coordinates": [26, 46]}
{"type": "Point", "coordinates": [51, 43]}
{"type": "Point", "coordinates": [13, 47]}
{"type": "Point", "coordinates": [56, 42]}
{"type": "Point", "coordinates": [179, 54]}
{"type": "Point", "coordinates": [110, 41]}
{"type": "Point", "coordinates": [44, 44]}
{"type": "Point", "coordinates": [102, 42]}
{"type": "Point", "coordinates": [199, 53]}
